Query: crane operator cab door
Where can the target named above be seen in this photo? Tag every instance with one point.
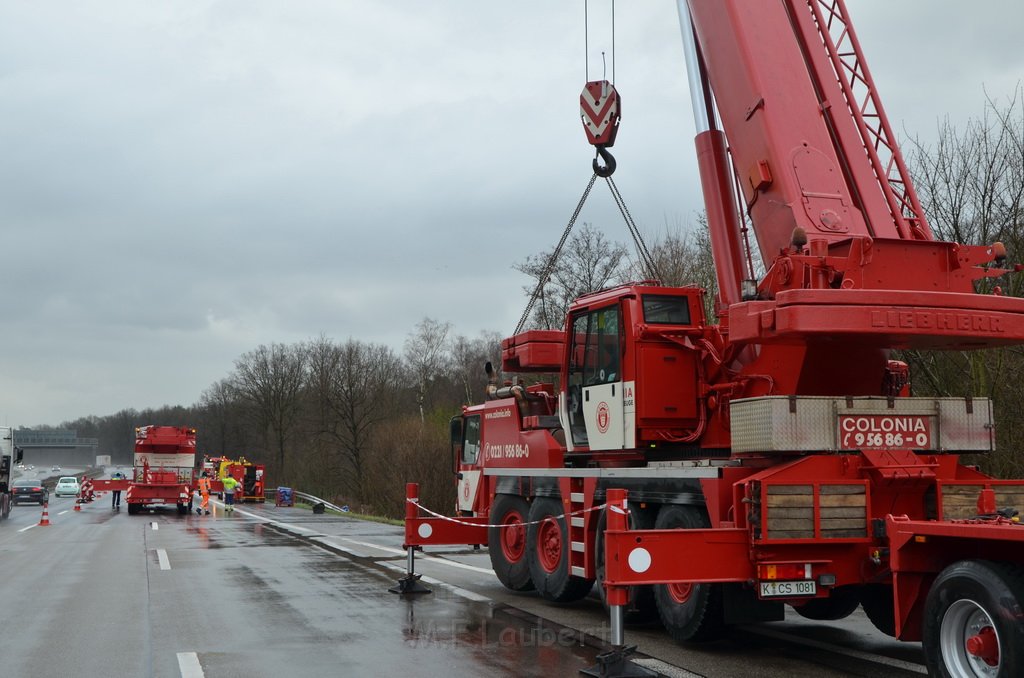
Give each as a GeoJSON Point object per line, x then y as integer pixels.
{"type": "Point", "coordinates": [466, 450]}
{"type": "Point", "coordinates": [594, 403]}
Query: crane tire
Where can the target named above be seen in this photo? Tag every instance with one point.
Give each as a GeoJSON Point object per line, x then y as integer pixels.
{"type": "Point", "coordinates": [547, 543]}
{"type": "Point", "coordinates": [507, 545]}
{"type": "Point", "coordinates": [975, 602]}
{"type": "Point", "coordinates": [641, 607]}
{"type": "Point", "coordinates": [843, 601]}
{"type": "Point", "coordinates": [689, 612]}
{"type": "Point", "coordinates": [877, 603]}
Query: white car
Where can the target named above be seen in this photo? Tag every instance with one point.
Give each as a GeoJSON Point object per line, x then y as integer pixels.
{"type": "Point", "coordinates": [67, 487]}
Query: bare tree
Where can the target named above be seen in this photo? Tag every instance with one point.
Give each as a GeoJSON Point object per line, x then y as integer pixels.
{"type": "Point", "coordinates": [468, 358]}
{"type": "Point", "coordinates": [220, 415]}
{"type": "Point", "coordinates": [271, 379]}
{"type": "Point", "coordinates": [683, 257]}
{"type": "Point", "coordinates": [588, 263]}
{"type": "Point", "coordinates": [426, 354]}
{"type": "Point", "coordinates": [356, 388]}
{"type": "Point", "coordinates": [971, 181]}
{"type": "Point", "coordinates": [971, 184]}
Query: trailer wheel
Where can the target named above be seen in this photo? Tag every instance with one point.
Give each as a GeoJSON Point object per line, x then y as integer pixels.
{"type": "Point", "coordinates": [182, 509]}
{"type": "Point", "coordinates": [842, 602]}
{"type": "Point", "coordinates": [547, 542]}
{"type": "Point", "coordinates": [507, 544]}
{"type": "Point", "coordinates": [877, 602]}
{"type": "Point", "coordinates": [134, 508]}
{"type": "Point", "coordinates": [974, 621]}
{"type": "Point", "coordinates": [641, 607]}
{"type": "Point", "coordinates": [690, 612]}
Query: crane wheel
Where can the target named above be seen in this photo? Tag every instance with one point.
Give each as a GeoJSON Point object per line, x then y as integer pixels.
{"type": "Point", "coordinates": [507, 544]}
{"type": "Point", "coordinates": [877, 603]}
{"type": "Point", "coordinates": [843, 601]}
{"type": "Point", "coordinates": [641, 607]}
{"type": "Point", "coordinates": [690, 612]}
{"type": "Point", "coordinates": [547, 545]}
{"type": "Point", "coordinates": [972, 621]}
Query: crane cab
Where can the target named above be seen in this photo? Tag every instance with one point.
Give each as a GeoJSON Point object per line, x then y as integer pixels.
{"type": "Point", "coordinates": [631, 371]}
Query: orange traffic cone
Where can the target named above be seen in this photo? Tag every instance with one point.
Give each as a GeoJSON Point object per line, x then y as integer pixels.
{"type": "Point", "coordinates": [78, 504]}
{"type": "Point", "coordinates": [45, 520]}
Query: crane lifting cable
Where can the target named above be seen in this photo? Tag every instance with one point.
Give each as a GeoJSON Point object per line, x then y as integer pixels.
{"type": "Point", "coordinates": [600, 112]}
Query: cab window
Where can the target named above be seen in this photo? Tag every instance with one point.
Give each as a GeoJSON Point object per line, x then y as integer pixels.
{"type": "Point", "coordinates": [664, 310]}
{"type": "Point", "coordinates": [597, 347]}
{"type": "Point", "coordinates": [471, 440]}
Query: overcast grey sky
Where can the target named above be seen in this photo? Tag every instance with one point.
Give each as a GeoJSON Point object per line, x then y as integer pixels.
{"type": "Point", "coordinates": [183, 181]}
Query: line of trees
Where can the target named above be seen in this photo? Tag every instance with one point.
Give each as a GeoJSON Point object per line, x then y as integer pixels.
{"type": "Point", "coordinates": [354, 421]}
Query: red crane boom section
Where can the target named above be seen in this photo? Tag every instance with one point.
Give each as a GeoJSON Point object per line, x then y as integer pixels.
{"type": "Point", "coordinates": [810, 143]}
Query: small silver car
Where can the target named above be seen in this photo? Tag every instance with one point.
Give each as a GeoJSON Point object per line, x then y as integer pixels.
{"type": "Point", "coordinates": [67, 487]}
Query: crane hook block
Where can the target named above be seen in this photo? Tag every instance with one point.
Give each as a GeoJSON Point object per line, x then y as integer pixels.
{"type": "Point", "coordinates": [606, 170]}
{"type": "Point", "coordinates": [600, 110]}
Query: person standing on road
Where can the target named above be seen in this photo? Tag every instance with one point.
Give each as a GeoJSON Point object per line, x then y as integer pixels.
{"type": "Point", "coordinates": [204, 493]}
{"type": "Point", "coordinates": [229, 493]}
{"type": "Point", "coordinates": [115, 495]}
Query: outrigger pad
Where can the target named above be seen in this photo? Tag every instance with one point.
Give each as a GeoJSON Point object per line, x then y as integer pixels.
{"type": "Point", "coordinates": [409, 584]}
{"type": "Point", "coordinates": [616, 664]}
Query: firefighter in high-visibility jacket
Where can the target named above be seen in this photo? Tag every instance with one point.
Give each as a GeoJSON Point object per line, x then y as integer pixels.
{"type": "Point", "coordinates": [204, 493]}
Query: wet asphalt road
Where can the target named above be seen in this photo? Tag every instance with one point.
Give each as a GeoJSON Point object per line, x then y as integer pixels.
{"type": "Point", "coordinates": [280, 592]}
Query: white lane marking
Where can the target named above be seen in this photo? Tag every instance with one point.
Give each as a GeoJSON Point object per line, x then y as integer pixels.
{"type": "Point", "coordinates": [161, 555]}
{"type": "Point", "coordinates": [155, 526]}
{"type": "Point", "coordinates": [29, 527]}
{"type": "Point", "coordinates": [385, 549]}
{"type": "Point", "coordinates": [665, 669]}
{"type": "Point", "coordinates": [188, 664]}
{"type": "Point", "coordinates": [62, 512]}
{"type": "Point", "coordinates": [378, 547]}
{"type": "Point", "coordinates": [437, 582]}
{"type": "Point", "coordinates": [857, 654]}
{"type": "Point", "coordinates": [455, 563]}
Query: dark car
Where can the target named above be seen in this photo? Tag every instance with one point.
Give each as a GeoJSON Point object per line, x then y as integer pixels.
{"type": "Point", "coordinates": [30, 490]}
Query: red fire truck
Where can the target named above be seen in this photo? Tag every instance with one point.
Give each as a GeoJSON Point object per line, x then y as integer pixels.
{"type": "Point", "coordinates": [164, 469]}
{"type": "Point", "coordinates": [775, 457]}
{"type": "Point", "coordinates": [251, 476]}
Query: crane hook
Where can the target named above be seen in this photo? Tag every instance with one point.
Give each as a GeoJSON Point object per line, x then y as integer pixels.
{"type": "Point", "coordinates": [608, 168]}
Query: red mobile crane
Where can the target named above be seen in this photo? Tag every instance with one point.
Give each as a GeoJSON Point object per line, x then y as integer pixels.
{"type": "Point", "coordinates": [164, 469]}
{"type": "Point", "coordinates": [776, 457]}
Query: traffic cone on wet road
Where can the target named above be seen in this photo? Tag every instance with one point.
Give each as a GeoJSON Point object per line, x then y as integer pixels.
{"type": "Point", "coordinates": [78, 504]}
{"type": "Point", "coordinates": [45, 520]}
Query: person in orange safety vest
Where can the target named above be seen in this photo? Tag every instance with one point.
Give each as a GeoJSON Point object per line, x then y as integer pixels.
{"type": "Point", "coordinates": [204, 492]}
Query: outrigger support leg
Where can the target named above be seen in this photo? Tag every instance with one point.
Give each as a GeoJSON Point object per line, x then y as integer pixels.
{"type": "Point", "coordinates": [615, 663]}
{"type": "Point", "coordinates": [410, 583]}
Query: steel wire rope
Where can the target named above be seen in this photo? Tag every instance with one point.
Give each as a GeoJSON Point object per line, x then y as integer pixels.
{"type": "Point", "coordinates": [542, 280]}
{"type": "Point", "coordinates": [638, 240]}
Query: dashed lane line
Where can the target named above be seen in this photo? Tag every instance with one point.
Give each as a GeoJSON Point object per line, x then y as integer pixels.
{"type": "Point", "coordinates": [188, 664]}
{"type": "Point", "coordinates": [161, 555]}
{"type": "Point", "coordinates": [29, 527]}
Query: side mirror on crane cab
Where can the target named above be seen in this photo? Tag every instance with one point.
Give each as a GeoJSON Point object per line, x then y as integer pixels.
{"type": "Point", "coordinates": [18, 455]}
